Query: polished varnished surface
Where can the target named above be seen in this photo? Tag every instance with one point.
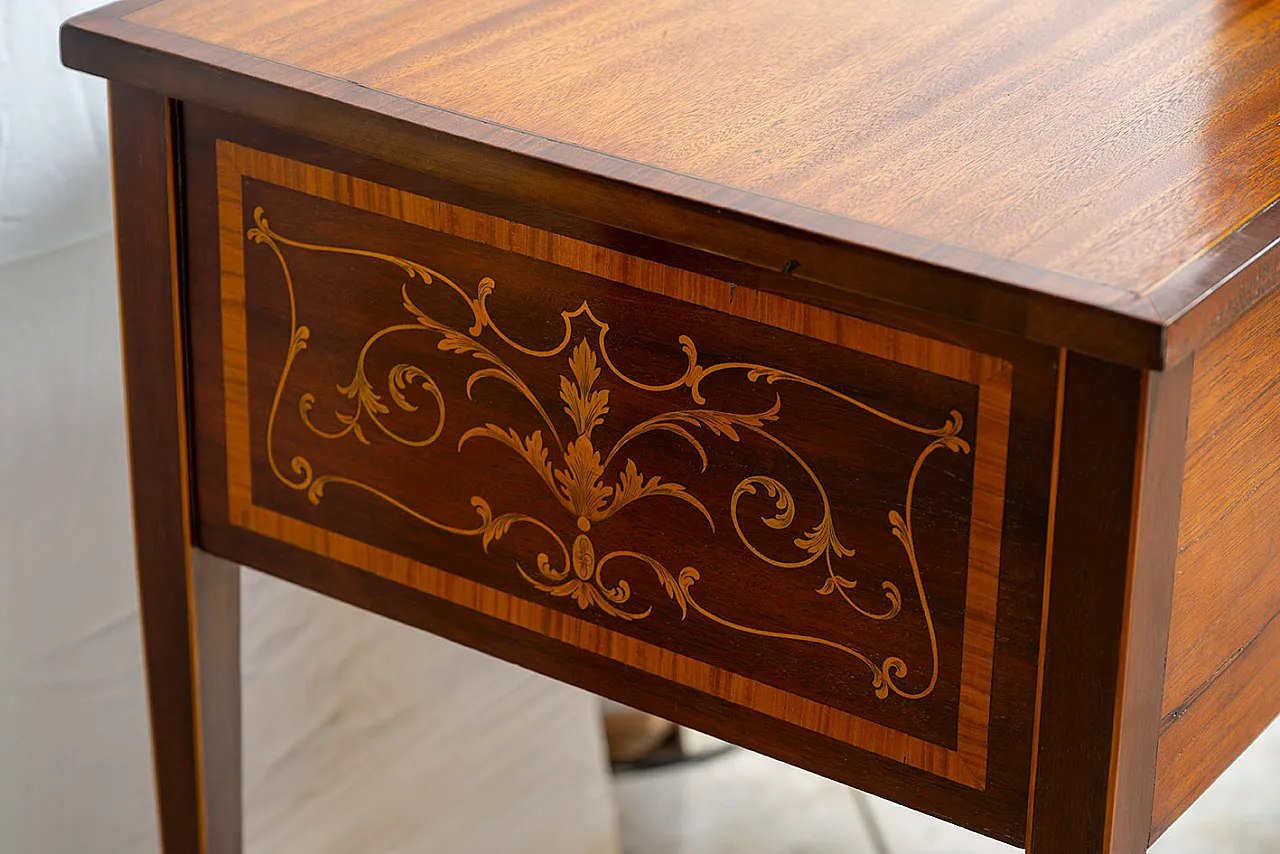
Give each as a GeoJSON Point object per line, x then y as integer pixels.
{"type": "Point", "coordinates": [1222, 683]}
{"type": "Point", "coordinates": [638, 478]}
{"type": "Point", "coordinates": [1020, 231]}
{"type": "Point", "coordinates": [769, 634]}
{"type": "Point", "coordinates": [1111, 141]}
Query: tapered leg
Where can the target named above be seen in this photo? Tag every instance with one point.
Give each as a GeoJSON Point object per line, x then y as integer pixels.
{"type": "Point", "coordinates": [192, 649]}
{"type": "Point", "coordinates": [216, 584]}
{"type": "Point", "coordinates": [189, 600]}
{"type": "Point", "coordinates": [1109, 583]}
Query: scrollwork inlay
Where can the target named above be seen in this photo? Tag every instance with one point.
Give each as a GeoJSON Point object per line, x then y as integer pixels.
{"type": "Point", "coordinates": [594, 483]}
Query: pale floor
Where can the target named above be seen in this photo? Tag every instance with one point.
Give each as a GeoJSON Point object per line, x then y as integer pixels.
{"type": "Point", "coordinates": [744, 803]}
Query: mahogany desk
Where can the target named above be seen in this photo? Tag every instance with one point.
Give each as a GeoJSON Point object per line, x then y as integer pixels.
{"type": "Point", "coordinates": [887, 387]}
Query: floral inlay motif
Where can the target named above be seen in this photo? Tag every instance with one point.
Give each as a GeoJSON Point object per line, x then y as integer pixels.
{"type": "Point", "coordinates": [595, 483]}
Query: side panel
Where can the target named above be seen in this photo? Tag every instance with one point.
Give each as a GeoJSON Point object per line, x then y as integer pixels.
{"type": "Point", "coordinates": [818, 534]}
{"type": "Point", "coordinates": [1222, 683]}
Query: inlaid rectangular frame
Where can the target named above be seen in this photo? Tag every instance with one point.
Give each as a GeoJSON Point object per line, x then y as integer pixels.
{"type": "Point", "coordinates": [966, 764]}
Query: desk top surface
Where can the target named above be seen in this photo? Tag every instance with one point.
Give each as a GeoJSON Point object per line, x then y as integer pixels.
{"type": "Point", "coordinates": [1107, 153]}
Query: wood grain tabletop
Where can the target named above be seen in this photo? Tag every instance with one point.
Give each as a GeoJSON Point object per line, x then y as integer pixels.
{"type": "Point", "coordinates": [1118, 155]}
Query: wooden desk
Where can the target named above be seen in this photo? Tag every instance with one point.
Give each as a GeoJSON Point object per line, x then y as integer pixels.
{"type": "Point", "coordinates": [886, 387]}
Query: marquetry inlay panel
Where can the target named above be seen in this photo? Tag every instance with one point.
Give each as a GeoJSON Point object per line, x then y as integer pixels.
{"type": "Point", "coordinates": [795, 511]}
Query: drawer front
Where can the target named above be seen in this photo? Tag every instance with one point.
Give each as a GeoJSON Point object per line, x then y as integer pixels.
{"type": "Point", "coordinates": [799, 513]}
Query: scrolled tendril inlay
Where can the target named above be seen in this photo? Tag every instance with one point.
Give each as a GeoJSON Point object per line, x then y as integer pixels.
{"type": "Point", "coordinates": [594, 483]}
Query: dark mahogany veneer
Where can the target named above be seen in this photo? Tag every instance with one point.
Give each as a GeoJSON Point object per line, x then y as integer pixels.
{"type": "Point", "coordinates": [886, 390]}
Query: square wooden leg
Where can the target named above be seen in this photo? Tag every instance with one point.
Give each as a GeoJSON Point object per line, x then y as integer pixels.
{"type": "Point", "coordinates": [1110, 589]}
{"type": "Point", "coordinates": [191, 634]}
{"type": "Point", "coordinates": [190, 601]}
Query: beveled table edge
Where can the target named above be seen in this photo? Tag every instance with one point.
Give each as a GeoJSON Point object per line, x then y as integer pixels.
{"type": "Point", "coordinates": [821, 257]}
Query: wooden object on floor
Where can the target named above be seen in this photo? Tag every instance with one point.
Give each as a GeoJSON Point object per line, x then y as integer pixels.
{"type": "Point", "coordinates": [632, 735]}
{"type": "Point", "coordinates": [823, 378]}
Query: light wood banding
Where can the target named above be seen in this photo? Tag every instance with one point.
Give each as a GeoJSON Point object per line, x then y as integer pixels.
{"type": "Point", "coordinates": [993, 377]}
